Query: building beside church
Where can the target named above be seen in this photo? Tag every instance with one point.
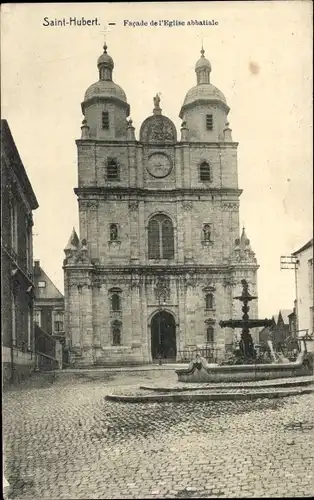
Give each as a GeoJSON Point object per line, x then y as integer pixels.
{"type": "Point", "coordinates": [49, 320]}
{"type": "Point", "coordinates": [280, 330]}
{"type": "Point", "coordinates": [159, 257]}
{"type": "Point", "coordinates": [305, 299]}
{"type": "Point", "coordinates": [18, 201]}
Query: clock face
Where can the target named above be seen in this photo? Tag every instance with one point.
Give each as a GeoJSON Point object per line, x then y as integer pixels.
{"type": "Point", "coordinates": [159, 165]}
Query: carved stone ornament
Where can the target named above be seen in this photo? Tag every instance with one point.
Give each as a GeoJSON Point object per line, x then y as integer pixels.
{"type": "Point", "coordinates": [232, 207]}
{"type": "Point", "coordinates": [88, 204]}
{"type": "Point", "coordinates": [162, 290]}
{"type": "Point", "coordinates": [114, 244]}
{"type": "Point", "coordinates": [135, 284]}
{"type": "Point", "coordinates": [228, 282]}
{"type": "Point", "coordinates": [187, 206]}
{"type": "Point", "coordinates": [133, 206]}
{"type": "Point", "coordinates": [190, 281]}
{"type": "Point", "coordinates": [158, 129]}
{"type": "Point", "coordinates": [29, 219]}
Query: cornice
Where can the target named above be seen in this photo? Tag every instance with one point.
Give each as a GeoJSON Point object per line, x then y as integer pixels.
{"type": "Point", "coordinates": [48, 301]}
{"type": "Point", "coordinates": [180, 193]}
{"type": "Point", "coordinates": [164, 269]}
{"type": "Point", "coordinates": [177, 145]}
{"type": "Point", "coordinates": [99, 99]}
{"type": "Point", "coordinates": [204, 100]}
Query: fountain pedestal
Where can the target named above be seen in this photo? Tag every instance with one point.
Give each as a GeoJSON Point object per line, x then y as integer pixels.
{"type": "Point", "coordinates": [200, 371]}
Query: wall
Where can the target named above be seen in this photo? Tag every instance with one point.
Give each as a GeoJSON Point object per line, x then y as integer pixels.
{"type": "Point", "coordinates": [305, 290]}
{"type": "Point", "coordinates": [16, 259]}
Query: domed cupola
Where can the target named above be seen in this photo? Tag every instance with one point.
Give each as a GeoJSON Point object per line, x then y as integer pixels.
{"type": "Point", "coordinates": [105, 65]}
{"type": "Point", "coordinates": [204, 99]}
{"type": "Point", "coordinates": [203, 69]}
{"type": "Point", "coordinates": [105, 105]}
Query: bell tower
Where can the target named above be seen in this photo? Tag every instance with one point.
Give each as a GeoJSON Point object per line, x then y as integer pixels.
{"type": "Point", "coordinates": [205, 109]}
{"type": "Point", "coordinates": [105, 105]}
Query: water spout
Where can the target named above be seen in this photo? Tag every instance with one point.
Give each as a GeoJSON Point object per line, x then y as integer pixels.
{"type": "Point", "coordinates": [272, 352]}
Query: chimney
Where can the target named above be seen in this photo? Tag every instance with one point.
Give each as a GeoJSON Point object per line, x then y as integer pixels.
{"type": "Point", "coordinates": [37, 271]}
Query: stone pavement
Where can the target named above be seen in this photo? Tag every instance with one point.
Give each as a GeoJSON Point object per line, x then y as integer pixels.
{"type": "Point", "coordinates": [63, 440]}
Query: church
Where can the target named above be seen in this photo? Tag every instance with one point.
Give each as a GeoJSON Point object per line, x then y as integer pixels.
{"type": "Point", "coordinates": [160, 256]}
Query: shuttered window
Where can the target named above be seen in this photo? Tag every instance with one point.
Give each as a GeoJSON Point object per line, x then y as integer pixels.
{"type": "Point", "coordinates": [205, 173]}
{"type": "Point", "coordinates": [105, 120]}
{"type": "Point", "coordinates": [112, 170]}
{"type": "Point", "coordinates": [209, 122]}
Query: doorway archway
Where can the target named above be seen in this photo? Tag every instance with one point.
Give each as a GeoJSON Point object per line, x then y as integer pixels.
{"type": "Point", "coordinates": [163, 336]}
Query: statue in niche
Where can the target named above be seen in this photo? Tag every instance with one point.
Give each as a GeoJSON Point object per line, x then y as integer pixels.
{"type": "Point", "coordinates": [113, 232]}
{"type": "Point", "coordinates": [206, 232]}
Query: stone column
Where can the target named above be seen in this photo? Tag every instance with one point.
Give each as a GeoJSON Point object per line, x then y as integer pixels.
{"type": "Point", "coordinates": [83, 206]}
{"type": "Point", "coordinates": [97, 309]}
{"type": "Point", "coordinates": [136, 317]}
{"type": "Point", "coordinates": [146, 342]}
{"type": "Point", "coordinates": [142, 232]}
{"type": "Point", "coordinates": [134, 231]}
{"type": "Point", "coordinates": [180, 233]}
{"type": "Point", "coordinates": [92, 224]}
{"type": "Point", "coordinates": [178, 167]}
{"type": "Point", "coordinates": [73, 307]}
{"type": "Point", "coordinates": [187, 207]}
{"type": "Point", "coordinates": [105, 319]}
{"type": "Point", "coordinates": [230, 221]}
{"type": "Point", "coordinates": [86, 303]}
{"type": "Point", "coordinates": [191, 299]}
{"type": "Point", "coordinates": [186, 166]}
{"type": "Point", "coordinates": [181, 315]}
{"type": "Point", "coordinates": [140, 166]}
{"type": "Point", "coordinates": [132, 165]}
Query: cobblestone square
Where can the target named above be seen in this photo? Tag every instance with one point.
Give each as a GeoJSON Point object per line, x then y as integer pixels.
{"type": "Point", "coordinates": [63, 440]}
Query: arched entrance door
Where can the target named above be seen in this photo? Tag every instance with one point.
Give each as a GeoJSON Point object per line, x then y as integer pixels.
{"type": "Point", "coordinates": [163, 336]}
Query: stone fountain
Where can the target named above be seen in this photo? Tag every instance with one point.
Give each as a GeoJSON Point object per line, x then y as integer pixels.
{"type": "Point", "coordinates": [246, 366]}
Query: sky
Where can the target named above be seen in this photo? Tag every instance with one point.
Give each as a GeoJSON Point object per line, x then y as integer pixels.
{"type": "Point", "coordinates": [261, 57]}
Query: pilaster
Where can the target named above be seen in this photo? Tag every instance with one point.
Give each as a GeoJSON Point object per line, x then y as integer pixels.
{"type": "Point", "coordinates": [187, 207]}
{"type": "Point", "coordinates": [186, 166]}
{"type": "Point", "coordinates": [142, 232]}
{"type": "Point", "coordinates": [133, 170]}
{"type": "Point", "coordinates": [146, 341]}
{"type": "Point", "coordinates": [97, 311]}
{"type": "Point", "coordinates": [134, 231]}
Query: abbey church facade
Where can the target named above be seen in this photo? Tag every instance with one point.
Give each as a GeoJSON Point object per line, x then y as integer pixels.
{"type": "Point", "coordinates": [159, 257]}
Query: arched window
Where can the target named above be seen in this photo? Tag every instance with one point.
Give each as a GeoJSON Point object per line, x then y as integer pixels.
{"type": "Point", "coordinates": [115, 302]}
{"type": "Point", "coordinates": [116, 332]}
{"type": "Point", "coordinates": [209, 301]}
{"type": "Point", "coordinates": [205, 172]}
{"type": "Point", "coordinates": [160, 238]}
{"type": "Point", "coordinates": [210, 334]}
{"type": "Point", "coordinates": [112, 170]}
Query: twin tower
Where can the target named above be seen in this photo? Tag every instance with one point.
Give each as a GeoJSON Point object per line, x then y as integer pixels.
{"type": "Point", "coordinates": [159, 256]}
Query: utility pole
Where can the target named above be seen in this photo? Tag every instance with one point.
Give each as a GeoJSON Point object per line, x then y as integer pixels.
{"type": "Point", "coordinates": [292, 262]}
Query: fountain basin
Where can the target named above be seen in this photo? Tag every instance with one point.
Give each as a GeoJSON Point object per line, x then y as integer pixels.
{"type": "Point", "coordinates": [199, 371]}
